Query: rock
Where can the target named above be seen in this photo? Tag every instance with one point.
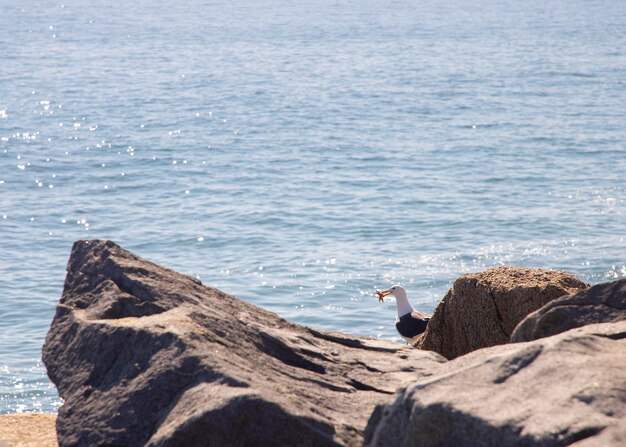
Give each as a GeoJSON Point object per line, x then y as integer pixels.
{"type": "Point", "coordinates": [143, 355]}
{"type": "Point", "coordinates": [602, 303]}
{"type": "Point", "coordinates": [482, 309]}
{"type": "Point", "coordinates": [28, 430]}
{"type": "Point", "coordinates": [613, 436]}
{"type": "Point", "coordinates": [550, 392]}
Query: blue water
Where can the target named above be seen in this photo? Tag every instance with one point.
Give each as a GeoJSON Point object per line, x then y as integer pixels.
{"type": "Point", "coordinates": [299, 154]}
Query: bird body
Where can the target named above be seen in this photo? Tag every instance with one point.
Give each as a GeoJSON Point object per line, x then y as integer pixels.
{"type": "Point", "coordinates": [410, 323]}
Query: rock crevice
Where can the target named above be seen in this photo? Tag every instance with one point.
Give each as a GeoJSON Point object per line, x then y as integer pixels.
{"type": "Point", "coordinates": [499, 319]}
{"type": "Point", "coordinates": [600, 303]}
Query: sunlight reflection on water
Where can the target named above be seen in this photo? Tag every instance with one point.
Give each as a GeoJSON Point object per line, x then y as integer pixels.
{"type": "Point", "coordinates": [298, 156]}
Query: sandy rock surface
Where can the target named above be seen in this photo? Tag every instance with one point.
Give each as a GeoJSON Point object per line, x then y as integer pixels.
{"type": "Point", "coordinates": [28, 430]}
{"type": "Point", "coordinates": [482, 309]}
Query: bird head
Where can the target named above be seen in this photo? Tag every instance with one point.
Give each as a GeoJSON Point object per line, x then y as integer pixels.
{"type": "Point", "coordinates": [397, 291]}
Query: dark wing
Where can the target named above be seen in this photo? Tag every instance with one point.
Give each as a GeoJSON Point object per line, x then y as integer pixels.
{"type": "Point", "coordinates": [411, 326]}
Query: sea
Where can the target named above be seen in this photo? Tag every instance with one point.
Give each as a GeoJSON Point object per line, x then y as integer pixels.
{"type": "Point", "coordinates": [299, 154]}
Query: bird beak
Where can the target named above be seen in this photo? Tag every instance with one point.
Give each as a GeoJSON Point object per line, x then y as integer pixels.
{"type": "Point", "coordinates": [381, 294]}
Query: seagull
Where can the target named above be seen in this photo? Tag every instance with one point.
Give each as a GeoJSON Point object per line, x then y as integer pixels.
{"type": "Point", "coordinates": [410, 323]}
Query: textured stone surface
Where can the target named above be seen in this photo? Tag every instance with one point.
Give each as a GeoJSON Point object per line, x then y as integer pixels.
{"type": "Point", "coordinates": [482, 309]}
{"type": "Point", "coordinates": [550, 392]}
{"type": "Point", "coordinates": [602, 303]}
{"type": "Point", "coordinates": [143, 355]}
{"type": "Point", "coordinates": [28, 430]}
{"type": "Point", "coordinates": [613, 436]}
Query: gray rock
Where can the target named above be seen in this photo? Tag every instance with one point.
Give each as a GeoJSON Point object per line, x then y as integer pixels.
{"type": "Point", "coordinates": [143, 355]}
{"type": "Point", "coordinates": [550, 392]}
{"type": "Point", "coordinates": [613, 436]}
{"type": "Point", "coordinates": [602, 303]}
{"type": "Point", "coordinates": [482, 309]}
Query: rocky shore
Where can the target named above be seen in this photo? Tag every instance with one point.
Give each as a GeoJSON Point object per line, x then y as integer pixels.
{"type": "Point", "coordinates": [143, 355]}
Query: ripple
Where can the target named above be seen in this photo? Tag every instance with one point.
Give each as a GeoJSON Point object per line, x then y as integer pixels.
{"type": "Point", "coordinates": [337, 151]}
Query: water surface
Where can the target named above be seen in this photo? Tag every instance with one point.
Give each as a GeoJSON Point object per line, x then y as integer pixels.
{"type": "Point", "coordinates": [298, 155]}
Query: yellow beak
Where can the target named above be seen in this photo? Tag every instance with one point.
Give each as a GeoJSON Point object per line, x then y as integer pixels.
{"type": "Point", "coordinates": [383, 293]}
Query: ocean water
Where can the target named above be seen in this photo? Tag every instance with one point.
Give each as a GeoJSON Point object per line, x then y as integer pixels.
{"type": "Point", "coordinates": [299, 154]}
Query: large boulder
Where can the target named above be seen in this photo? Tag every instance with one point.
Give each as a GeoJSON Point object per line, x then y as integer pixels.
{"type": "Point", "coordinates": [602, 303]}
{"type": "Point", "coordinates": [550, 392]}
{"type": "Point", "coordinates": [143, 355]}
{"type": "Point", "coordinates": [482, 309]}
